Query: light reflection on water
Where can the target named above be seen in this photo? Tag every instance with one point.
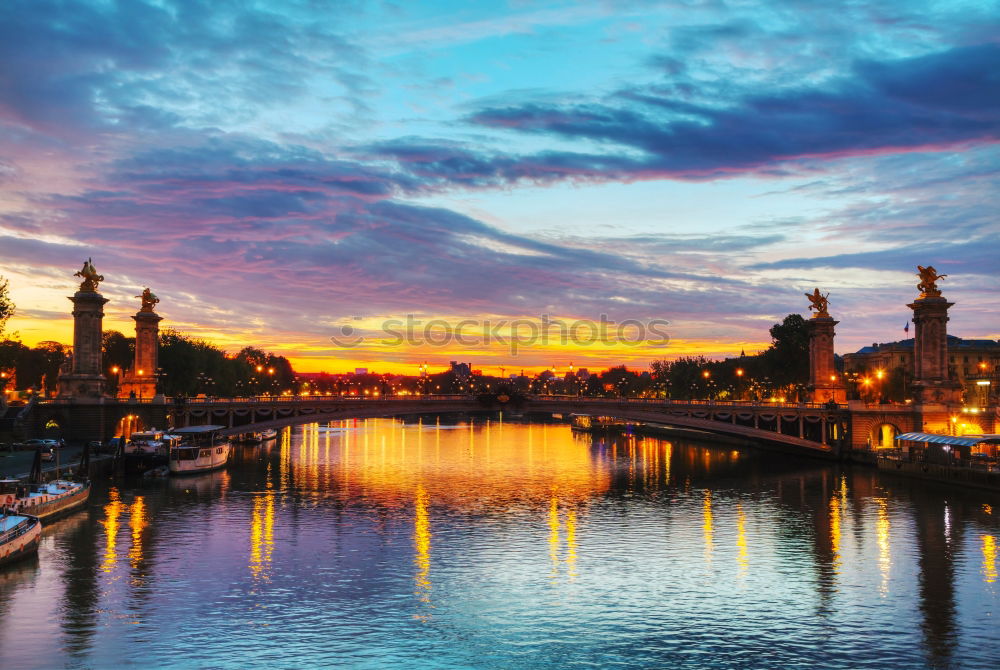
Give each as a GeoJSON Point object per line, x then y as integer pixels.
{"type": "Point", "coordinates": [496, 545]}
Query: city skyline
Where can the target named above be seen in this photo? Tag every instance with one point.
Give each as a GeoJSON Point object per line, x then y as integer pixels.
{"type": "Point", "coordinates": [276, 173]}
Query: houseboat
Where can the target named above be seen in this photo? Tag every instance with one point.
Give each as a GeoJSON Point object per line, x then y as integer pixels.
{"type": "Point", "coordinates": [19, 536]}
{"type": "Point", "coordinates": [200, 450]}
{"type": "Point", "coordinates": [44, 500]}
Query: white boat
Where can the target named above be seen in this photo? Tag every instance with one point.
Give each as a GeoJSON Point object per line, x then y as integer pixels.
{"type": "Point", "coordinates": [260, 436]}
{"type": "Point", "coordinates": [19, 536]}
{"type": "Point", "coordinates": [47, 500]}
{"type": "Point", "coordinates": [200, 450]}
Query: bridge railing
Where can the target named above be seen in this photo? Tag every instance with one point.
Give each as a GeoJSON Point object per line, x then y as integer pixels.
{"type": "Point", "coordinates": [299, 399]}
{"type": "Point", "coordinates": [705, 403]}
{"type": "Point", "coordinates": [315, 398]}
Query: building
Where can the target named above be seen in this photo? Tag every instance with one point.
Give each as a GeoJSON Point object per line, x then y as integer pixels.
{"type": "Point", "coordinates": [461, 369]}
{"type": "Point", "coordinates": [975, 364]}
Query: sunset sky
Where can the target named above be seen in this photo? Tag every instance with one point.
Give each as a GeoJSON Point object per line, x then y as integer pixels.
{"type": "Point", "coordinates": [276, 171]}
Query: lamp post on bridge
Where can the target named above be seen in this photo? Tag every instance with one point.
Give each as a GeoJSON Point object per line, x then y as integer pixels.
{"type": "Point", "coordinates": [158, 375]}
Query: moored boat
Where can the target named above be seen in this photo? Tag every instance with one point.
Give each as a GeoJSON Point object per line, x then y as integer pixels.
{"type": "Point", "coordinates": [146, 450]}
{"type": "Point", "coordinates": [200, 450]}
{"type": "Point", "coordinates": [260, 436]}
{"type": "Point", "coordinates": [19, 536]}
{"type": "Point", "coordinates": [46, 500]}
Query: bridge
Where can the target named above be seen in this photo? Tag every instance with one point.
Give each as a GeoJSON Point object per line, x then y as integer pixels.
{"type": "Point", "coordinates": [811, 428]}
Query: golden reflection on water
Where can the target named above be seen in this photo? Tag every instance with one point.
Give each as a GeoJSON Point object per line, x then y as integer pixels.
{"type": "Point", "coordinates": [285, 457]}
{"type": "Point", "coordinates": [571, 544]}
{"type": "Point", "coordinates": [989, 558]}
{"type": "Point", "coordinates": [835, 531]}
{"type": "Point", "coordinates": [706, 511]}
{"type": "Point", "coordinates": [838, 505]}
{"type": "Point", "coordinates": [882, 536]}
{"type": "Point", "coordinates": [492, 468]}
{"type": "Point", "coordinates": [262, 535]}
{"type": "Point", "coordinates": [555, 524]}
{"type": "Point", "coordinates": [262, 529]}
{"type": "Point", "coordinates": [742, 555]}
{"type": "Point", "coordinates": [422, 549]}
{"type": "Point", "coordinates": [554, 535]}
{"type": "Point", "coordinates": [137, 522]}
{"type": "Point", "coordinates": [112, 510]}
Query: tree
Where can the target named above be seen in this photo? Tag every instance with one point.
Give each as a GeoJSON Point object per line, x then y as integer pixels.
{"type": "Point", "coordinates": [786, 361]}
{"type": "Point", "coordinates": [117, 350]}
{"type": "Point", "coordinates": [49, 357]}
{"type": "Point", "coordinates": [6, 304]}
{"type": "Point", "coordinates": [782, 367]}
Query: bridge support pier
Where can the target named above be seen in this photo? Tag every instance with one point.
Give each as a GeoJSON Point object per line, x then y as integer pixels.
{"type": "Point", "coordinates": [932, 381]}
{"type": "Point", "coordinates": [85, 380]}
{"type": "Point", "coordinates": [824, 383]}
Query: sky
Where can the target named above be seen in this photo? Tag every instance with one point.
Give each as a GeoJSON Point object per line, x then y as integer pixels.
{"type": "Point", "coordinates": [295, 174]}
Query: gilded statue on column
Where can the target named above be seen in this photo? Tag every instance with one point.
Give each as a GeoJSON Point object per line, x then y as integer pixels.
{"type": "Point", "coordinates": [90, 277]}
{"type": "Point", "coordinates": [819, 303]}
{"type": "Point", "coordinates": [928, 281]}
{"type": "Point", "coordinates": [149, 300]}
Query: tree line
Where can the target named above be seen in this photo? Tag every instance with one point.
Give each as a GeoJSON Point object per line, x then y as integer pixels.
{"type": "Point", "coordinates": [191, 366]}
{"type": "Point", "coordinates": [187, 366]}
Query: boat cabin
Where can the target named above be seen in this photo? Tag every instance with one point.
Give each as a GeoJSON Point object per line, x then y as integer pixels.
{"type": "Point", "coordinates": [951, 449]}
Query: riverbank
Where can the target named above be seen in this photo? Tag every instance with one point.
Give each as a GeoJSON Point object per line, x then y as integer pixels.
{"type": "Point", "coordinates": [17, 464]}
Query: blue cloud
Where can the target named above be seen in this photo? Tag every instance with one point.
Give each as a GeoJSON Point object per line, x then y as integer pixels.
{"type": "Point", "coordinates": [885, 107]}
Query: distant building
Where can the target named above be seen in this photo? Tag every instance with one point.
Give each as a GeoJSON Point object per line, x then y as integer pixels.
{"type": "Point", "coordinates": [461, 369]}
{"type": "Point", "coordinates": [583, 374]}
{"type": "Point", "coordinates": [973, 363]}
{"type": "Point", "coordinates": [360, 371]}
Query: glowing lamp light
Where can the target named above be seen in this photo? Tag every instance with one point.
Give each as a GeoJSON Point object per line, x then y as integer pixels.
{"type": "Point", "coordinates": [706, 374]}
{"type": "Point", "coordinates": [880, 374]}
{"type": "Point", "coordinates": [739, 372]}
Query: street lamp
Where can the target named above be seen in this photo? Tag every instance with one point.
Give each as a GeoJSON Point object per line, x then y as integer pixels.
{"type": "Point", "coordinates": [157, 375]}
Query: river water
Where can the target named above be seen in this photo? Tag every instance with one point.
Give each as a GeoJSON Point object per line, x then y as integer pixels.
{"type": "Point", "coordinates": [379, 544]}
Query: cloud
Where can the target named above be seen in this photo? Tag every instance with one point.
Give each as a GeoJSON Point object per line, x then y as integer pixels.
{"type": "Point", "coordinates": [123, 67]}
{"type": "Point", "coordinates": [976, 257]}
{"type": "Point", "coordinates": [884, 107]}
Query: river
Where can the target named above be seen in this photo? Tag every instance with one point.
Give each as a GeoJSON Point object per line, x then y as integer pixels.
{"type": "Point", "coordinates": [497, 544]}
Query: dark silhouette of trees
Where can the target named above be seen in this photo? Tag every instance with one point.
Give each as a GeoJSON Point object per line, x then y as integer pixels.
{"type": "Point", "coordinates": [6, 304]}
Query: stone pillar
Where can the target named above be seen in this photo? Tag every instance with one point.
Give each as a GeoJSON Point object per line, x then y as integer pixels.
{"type": "Point", "coordinates": [85, 378]}
{"type": "Point", "coordinates": [141, 379]}
{"type": "Point", "coordinates": [824, 382]}
{"type": "Point", "coordinates": [932, 381]}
